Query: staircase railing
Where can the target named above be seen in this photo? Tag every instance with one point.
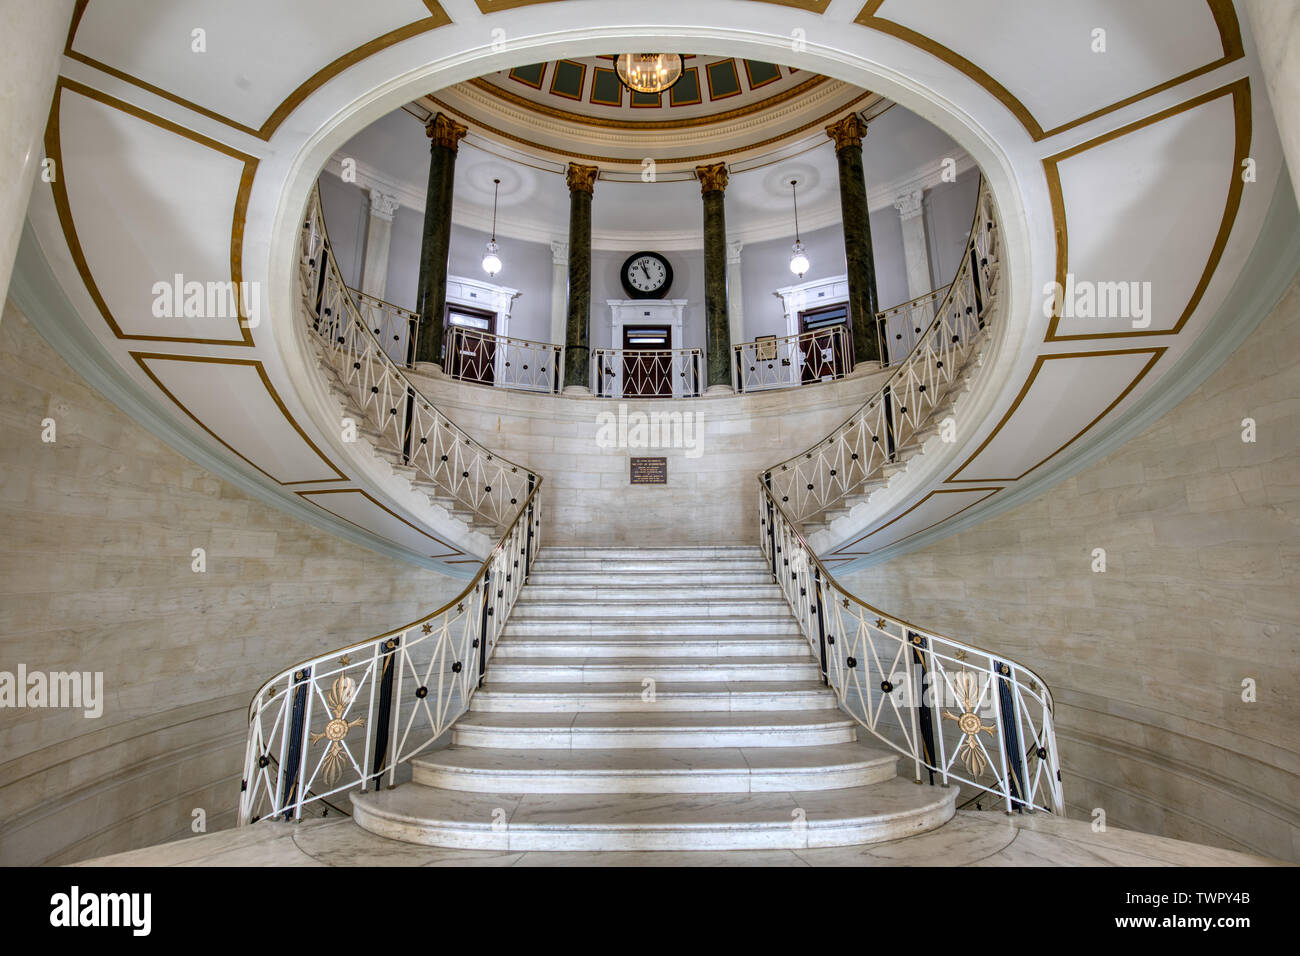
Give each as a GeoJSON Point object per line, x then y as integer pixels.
{"type": "Point", "coordinates": [903, 324]}
{"type": "Point", "coordinates": [405, 422]}
{"type": "Point", "coordinates": [842, 462]}
{"type": "Point", "coordinates": [960, 713]}
{"type": "Point", "coordinates": [343, 720]}
{"type": "Point", "coordinates": [485, 358]}
{"type": "Point", "coordinates": [395, 328]}
{"type": "Point", "coordinates": [647, 373]}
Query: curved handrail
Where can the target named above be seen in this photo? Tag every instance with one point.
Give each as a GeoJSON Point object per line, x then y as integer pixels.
{"type": "Point", "coordinates": [408, 424]}
{"type": "Point", "coordinates": [403, 688]}
{"type": "Point", "coordinates": [859, 447]}
{"type": "Point", "coordinates": [927, 696]}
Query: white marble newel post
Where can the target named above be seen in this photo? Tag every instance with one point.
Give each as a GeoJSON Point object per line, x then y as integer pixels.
{"type": "Point", "coordinates": [559, 291]}
{"type": "Point", "coordinates": [735, 308]}
{"type": "Point", "coordinates": [1276, 28]}
{"type": "Point", "coordinates": [31, 49]}
{"type": "Point", "coordinates": [379, 235]}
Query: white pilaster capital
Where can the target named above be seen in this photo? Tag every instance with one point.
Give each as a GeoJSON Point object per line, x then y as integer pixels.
{"type": "Point", "coordinates": [909, 204]}
{"type": "Point", "coordinates": [559, 253]}
{"type": "Point", "coordinates": [733, 252]}
{"type": "Point", "coordinates": [383, 205]}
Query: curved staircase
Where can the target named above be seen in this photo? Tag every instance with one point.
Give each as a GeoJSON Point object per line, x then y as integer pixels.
{"type": "Point", "coordinates": [653, 699]}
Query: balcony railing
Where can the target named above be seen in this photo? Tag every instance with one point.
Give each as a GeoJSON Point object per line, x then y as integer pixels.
{"type": "Point", "coordinates": [647, 373]}
{"type": "Point", "coordinates": [819, 355]}
{"type": "Point", "coordinates": [484, 358]}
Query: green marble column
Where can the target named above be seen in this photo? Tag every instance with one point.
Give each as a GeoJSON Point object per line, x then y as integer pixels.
{"type": "Point", "coordinates": [445, 135]}
{"type": "Point", "coordinates": [581, 181]}
{"type": "Point", "coordinates": [717, 336]}
{"type": "Point", "coordinates": [858, 255]}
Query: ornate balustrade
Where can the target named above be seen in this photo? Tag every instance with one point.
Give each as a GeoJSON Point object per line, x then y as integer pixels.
{"type": "Point", "coordinates": [959, 713]}
{"type": "Point", "coordinates": [398, 418]}
{"type": "Point", "coordinates": [787, 361]}
{"type": "Point", "coordinates": [858, 449]}
{"type": "Point", "coordinates": [345, 719]}
{"type": "Point", "coordinates": [487, 359]}
{"type": "Point", "coordinates": [899, 328]}
{"type": "Point", "coordinates": [395, 328]}
{"type": "Point", "coordinates": [646, 373]}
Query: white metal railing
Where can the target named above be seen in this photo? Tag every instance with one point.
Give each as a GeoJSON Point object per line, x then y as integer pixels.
{"type": "Point", "coordinates": [402, 420]}
{"type": "Point", "coordinates": [343, 720]}
{"type": "Point", "coordinates": [395, 328]}
{"type": "Point", "coordinates": [487, 359]}
{"type": "Point", "coordinates": [964, 714]}
{"type": "Point", "coordinates": [647, 373]}
{"type": "Point", "coordinates": [901, 327]}
{"type": "Point", "coordinates": [859, 448]}
{"type": "Point", "coordinates": [787, 361]}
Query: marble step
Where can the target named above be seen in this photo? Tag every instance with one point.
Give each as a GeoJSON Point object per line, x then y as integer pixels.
{"type": "Point", "coordinates": [659, 578]}
{"type": "Point", "coordinates": [650, 594]}
{"type": "Point", "coordinates": [605, 670]}
{"type": "Point", "coordinates": [548, 561]}
{"type": "Point", "coordinates": [888, 810]}
{"type": "Point", "coordinates": [648, 626]}
{"type": "Point", "coordinates": [835, 766]}
{"type": "Point", "coordinates": [667, 608]}
{"type": "Point", "coordinates": [670, 729]}
{"type": "Point", "coordinates": [712, 645]}
{"type": "Point", "coordinates": [702, 552]}
{"type": "Point", "coordinates": [634, 697]}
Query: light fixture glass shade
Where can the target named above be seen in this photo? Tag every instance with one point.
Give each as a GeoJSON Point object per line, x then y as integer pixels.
{"type": "Point", "coordinates": [649, 72]}
{"type": "Point", "coordinates": [491, 259]}
{"type": "Point", "coordinates": [799, 263]}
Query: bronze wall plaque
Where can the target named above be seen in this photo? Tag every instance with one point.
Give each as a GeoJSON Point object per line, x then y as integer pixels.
{"type": "Point", "coordinates": [649, 471]}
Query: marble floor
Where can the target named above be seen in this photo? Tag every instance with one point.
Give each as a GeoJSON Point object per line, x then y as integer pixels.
{"type": "Point", "coordinates": [971, 838]}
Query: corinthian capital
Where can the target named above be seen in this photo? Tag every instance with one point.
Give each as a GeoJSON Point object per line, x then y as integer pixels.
{"type": "Point", "coordinates": [581, 178]}
{"type": "Point", "coordinates": [847, 132]}
{"type": "Point", "coordinates": [445, 131]}
{"type": "Point", "coordinates": [712, 178]}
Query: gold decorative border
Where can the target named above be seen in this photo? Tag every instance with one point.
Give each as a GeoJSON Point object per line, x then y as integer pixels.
{"type": "Point", "coordinates": [1240, 92]}
{"type": "Point", "coordinates": [523, 102]}
{"type": "Point", "coordinates": [708, 75]}
{"type": "Point", "coordinates": [622, 161]}
{"type": "Point", "coordinates": [541, 80]}
{"type": "Point", "coordinates": [437, 18]}
{"type": "Point", "coordinates": [1155, 352]}
{"type": "Point", "coordinates": [555, 75]}
{"type": "Point", "coordinates": [595, 72]}
{"type": "Point", "coordinates": [749, 77]}
{"type": "Point", "coordinates": [1225, 20]}
{"type": "Point", "coordinates": [937, 491]}
{"type": "Point", "coordinates": [699, 90]}
{"type": "Point", "coordinates": [53, 149]}
{"type": "Point", "coordinates": [142, 359]}
{"type": "Point", "coordinates": [382, 507]}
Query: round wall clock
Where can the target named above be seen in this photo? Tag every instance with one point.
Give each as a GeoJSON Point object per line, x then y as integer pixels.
{"type": "Point", "coordinates": [646, 275]}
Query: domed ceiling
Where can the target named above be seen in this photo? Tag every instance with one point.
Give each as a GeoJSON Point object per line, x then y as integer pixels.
{"type": "Point", "coordinates": [578, 109]}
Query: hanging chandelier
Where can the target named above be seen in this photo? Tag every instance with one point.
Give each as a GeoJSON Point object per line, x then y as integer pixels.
{"type": "Point", "coordinates": [492, 254]}
{"type": "Point", "coordinates": [799, 263]}
{"type": "Point", "coordinates": [649, 72]}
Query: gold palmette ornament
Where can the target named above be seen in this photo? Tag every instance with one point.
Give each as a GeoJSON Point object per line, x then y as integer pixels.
{"type": "Point", "coordinates": [337, 700]}
{"type": "Point", "coordinates": [971, 753]}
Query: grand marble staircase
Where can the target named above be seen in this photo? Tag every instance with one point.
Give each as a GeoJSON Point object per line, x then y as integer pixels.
{"type": "Point", "coordinates": [653, 699]}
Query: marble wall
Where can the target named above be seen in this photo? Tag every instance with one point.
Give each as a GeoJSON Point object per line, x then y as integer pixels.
{"type": "Point", "coordinates": [96, 576]}
{"type": "Point", "coordinates": [1147, 659]}
{"type": "Point", "coordinates": [715, 448]}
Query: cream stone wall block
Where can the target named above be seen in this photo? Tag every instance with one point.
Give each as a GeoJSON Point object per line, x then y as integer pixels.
{"type": "Point", "coordinates": [1202, 589]}
{"type": "Point", "coordinates": [95, 576]}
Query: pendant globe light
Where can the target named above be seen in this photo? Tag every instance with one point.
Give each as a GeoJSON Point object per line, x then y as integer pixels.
{"type": "Point", "coordinates": [649, 72]}
{"type": "Point", "coordinates": [799, 263]}
{"type": "Point", "coordinates": [492, 254]}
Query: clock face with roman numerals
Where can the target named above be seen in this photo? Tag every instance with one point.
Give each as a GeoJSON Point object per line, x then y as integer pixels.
{"type": "Point", "coordinates": [646, 275]}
